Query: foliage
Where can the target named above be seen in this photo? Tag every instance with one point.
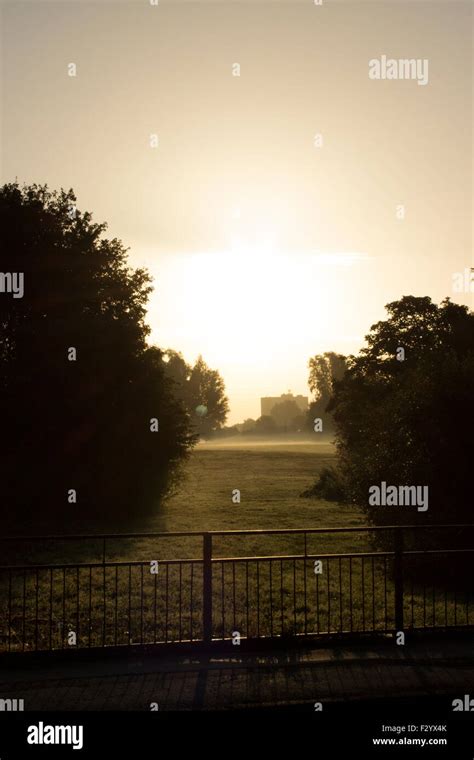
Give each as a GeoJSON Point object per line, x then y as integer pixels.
{"type": "Point", "coordinates": [201, 390]}
{"type": "Point", "coordinates": [408, 422]}
{"type": "Point", "coordinates": [82, 424]}
{"type": "Point", "coordinates": [324, 370]}
{"type": "Point", "coordinates": [329, 486]}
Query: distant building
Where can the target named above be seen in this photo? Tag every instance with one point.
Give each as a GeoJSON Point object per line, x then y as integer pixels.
{"type": "Point", "coordinates": [268, 402]}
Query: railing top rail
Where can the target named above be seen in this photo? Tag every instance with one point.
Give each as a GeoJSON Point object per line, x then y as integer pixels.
{"type": "Point", "coordinates": [245, 532]}
{"type": "Point", "coordinates": [216, 560]}
{"type": "Point", "coordinates": [100, 565]}
{"type": "Point", "coordinates": [99, 536]}
{"type": "Point", "coordinates": [351, 529]}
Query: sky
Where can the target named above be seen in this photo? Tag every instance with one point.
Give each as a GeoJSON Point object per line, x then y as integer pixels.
{"type": "Point", "coordinates": [279, 210]}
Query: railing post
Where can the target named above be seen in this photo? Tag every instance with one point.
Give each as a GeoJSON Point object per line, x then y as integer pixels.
{"type": "Point", "coordinates": [207, 587]}
{"type": "Point", "coordinates": [398, 579]}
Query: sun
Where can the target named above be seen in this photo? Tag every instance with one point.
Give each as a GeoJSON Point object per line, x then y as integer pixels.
{"type": "Point", "coordinates": [248, 303]}
{"type": "Point", "coordinates": [255, 312]}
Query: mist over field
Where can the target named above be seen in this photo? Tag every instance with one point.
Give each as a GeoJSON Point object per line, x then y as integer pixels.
{"type": "Point", "coordinates": [304, 442]}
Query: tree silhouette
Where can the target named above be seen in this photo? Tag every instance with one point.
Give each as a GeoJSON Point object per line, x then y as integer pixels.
{"type": "Point", "coordinates": [79, 385]}
{"type": "Point", "coordinates": [407, 422]}
{"type": "Point", "coordinates": [324, 370]}
{"type": "Point", "coordinates": [285, 413]}
{"type": "Point", "coordinates": [202, 391]}
{"type": "Point", "coordinates": [265, 425]}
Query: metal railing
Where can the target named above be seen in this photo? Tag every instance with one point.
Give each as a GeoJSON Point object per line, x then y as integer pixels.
{"type": "Point", "coordinates": [300, 593]}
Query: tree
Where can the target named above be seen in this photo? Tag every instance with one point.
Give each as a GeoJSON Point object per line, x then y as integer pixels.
{"type": "Point", "coordinates": [265, 425]}
{"type": "Point", "coordinates": [201, 390]}
{"type": "Point", "coordinates": [79, 385]}
{"type": "Point", "coordinates": [248, 426]}
{"type": "Point", "coordinates": [285, 413]}
{"type": "Point", "coordinates": [406, 422]}
{"type": "Point", "coordinates": [324, 370]}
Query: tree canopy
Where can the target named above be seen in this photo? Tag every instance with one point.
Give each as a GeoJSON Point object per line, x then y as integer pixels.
{"type": "Point", "coordinates": [201, 390]}
{"type": "Point", "coordinates": [324, 370]}
{"type": "Point", "coordinates": [287, 415]}
{"type": "Point", "coordinates": [405, 418]}
{"type": "Point", "coordinates": [79, 384]}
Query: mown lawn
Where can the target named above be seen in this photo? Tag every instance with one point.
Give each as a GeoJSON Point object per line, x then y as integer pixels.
{"type": "Point", "coordinates": [125, 603]}
{"type": "Point", "coordinates": [270, 478]}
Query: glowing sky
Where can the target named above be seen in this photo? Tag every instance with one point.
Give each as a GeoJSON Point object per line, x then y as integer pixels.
{"type": "Point", "coordinates": [265, 249]}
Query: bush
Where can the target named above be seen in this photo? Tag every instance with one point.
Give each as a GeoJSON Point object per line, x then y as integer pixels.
{"type": "Point", "coordinates": [329, 486]}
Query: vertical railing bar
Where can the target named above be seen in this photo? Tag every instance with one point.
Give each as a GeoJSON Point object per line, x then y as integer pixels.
{"type": "Point", "coordinates": [190, 602]}
{"type": "Point", "coordinates": [64, 608]}
{"type": "Point", "coordinates": [51, 608]}
{"type": "Point", "coordinates": [154, 605]}
{"type": "Point", "coordinates": [90, 605]}
{"type": "Point", "coordinates": [233, 597]}
{"type": "Point", "coordinates": [223, 599]}
{"type": "Point", "coordinates": [340, 596]}
{"type": "Point", "coordinates": [399, 612]}
{"type": "Point", "coordinates": [247, 625]}
{"type": "Point", "coordinates": [281, 597]}
{"type": "Point", "coordinates": [258, 599]}
{"type": "Point", "coordinates": [24, 607]}
{"type": "Point", "coordinates": [78, 591]}
{"type": "Point", "coordinates": [116, 604]}
{"type": "Point", "coordinates": [141, 603]}
{"type": "Point", "coordinates": [271, 599]}
{"type": "Point", "coordinates": [103, 603]}
{"type": "Point", "coordinates": [305, 582]}
{"type": "Point", "coordinates": [166, 603]}
{"type": "Point", "coordinates": [294, 596]}
{"type": "Point", "coordinates": [350, 593]}
{"type": "Point", "coordinates": [10, 611]}
{"type": "Point", "coordinates": [373, 594]}
{"type": "Point", "coordinates": [36, 610]}
{"type": "Point", "coordinates": [305, 595]}
{"type": "Point", "coordinates": [207, 587]}
{"type": "Point", "coordinates": [329, 595]}
{"type": "Point", "coordinates": [424, 602]}
{"type": "Point", "coordinates": [363, 594]}
{"type": "Point", "coordinates": [317, 603]}
{"type": "Point", "coordinates": [129, 605]}
{"type": "Point", "coordinates": [180, 635]}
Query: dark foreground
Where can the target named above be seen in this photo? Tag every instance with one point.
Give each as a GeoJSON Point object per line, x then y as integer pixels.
{"type": "Point", "coordinates": [339, 696]}
{"type": "Point", "coordinates": [231, 678]}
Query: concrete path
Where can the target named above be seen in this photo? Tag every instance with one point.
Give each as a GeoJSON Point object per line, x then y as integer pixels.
{"type": "Point", "coordinates": [235, 679]}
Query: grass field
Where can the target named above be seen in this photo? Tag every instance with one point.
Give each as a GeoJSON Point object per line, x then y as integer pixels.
{"type": "Point", "coordinates": [123, 603]}
{"type": "Point", "coordinates": [270, 476]}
